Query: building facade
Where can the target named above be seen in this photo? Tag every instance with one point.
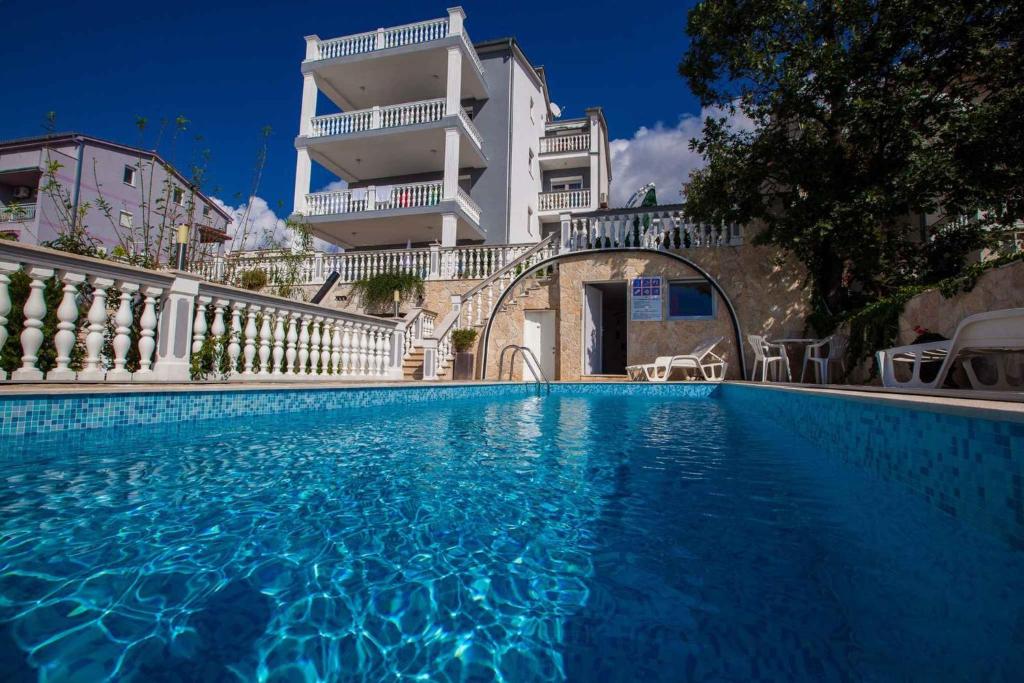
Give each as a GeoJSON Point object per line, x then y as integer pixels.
{"type": "Point", "coordinates": [440, 140]}
{"type": "Point", "coordinates": [129, 199]}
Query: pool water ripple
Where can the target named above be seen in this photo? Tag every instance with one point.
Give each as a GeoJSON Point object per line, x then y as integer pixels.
{"type": "Point", "coordinates": [514, 539]}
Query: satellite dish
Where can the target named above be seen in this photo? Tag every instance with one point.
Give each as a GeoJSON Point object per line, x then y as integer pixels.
{"type": "Point", "coordinates": [556, 111]}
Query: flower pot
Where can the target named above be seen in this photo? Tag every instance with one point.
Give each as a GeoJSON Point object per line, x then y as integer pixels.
{"type": "Point", "coordinates": [464, 365]}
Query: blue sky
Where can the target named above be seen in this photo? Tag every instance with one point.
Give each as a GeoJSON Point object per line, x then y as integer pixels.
{"type": "Point", "coordinates": [232, 68]}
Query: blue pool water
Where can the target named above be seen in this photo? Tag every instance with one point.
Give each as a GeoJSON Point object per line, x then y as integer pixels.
{"type": "Point", "coordinates": [587, 538]}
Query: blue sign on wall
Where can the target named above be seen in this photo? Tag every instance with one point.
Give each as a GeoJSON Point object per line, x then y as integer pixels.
{"type": "Point", "coordinates": [646, 298]}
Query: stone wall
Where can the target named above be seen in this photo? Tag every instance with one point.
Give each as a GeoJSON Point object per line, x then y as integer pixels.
{"type": "Point", "coordinates": [764, 288]}
{"type": "Point", "coordinates": [996, 289]}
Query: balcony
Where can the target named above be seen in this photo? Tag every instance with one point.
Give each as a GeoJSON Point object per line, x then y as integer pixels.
{"type": "Point", "coordinates": [561, 152]}
{"type": "Point", "coordinates": [22, 213]}
{"type": "Point", "coordinates": [396, 214]}
{"type": "Point", "coordinates": [390, 65]}
{"type": "Point", "coordinates": [391, 140]}
{"type": "Point", "coordinates": [565, 200]}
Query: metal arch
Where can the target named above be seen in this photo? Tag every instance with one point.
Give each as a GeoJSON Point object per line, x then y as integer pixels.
{"type": "Point", "coordinates": [631, 250]}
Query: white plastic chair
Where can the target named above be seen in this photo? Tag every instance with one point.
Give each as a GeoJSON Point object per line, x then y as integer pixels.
{"type": "Point", "coordinates": [823, 363]}
{"type": "Point", "coordinates": [982, 334]}
{"type": "Point", "coordinates": [763, 356]}
{"type": "Point", "coordinates": [661, 369]}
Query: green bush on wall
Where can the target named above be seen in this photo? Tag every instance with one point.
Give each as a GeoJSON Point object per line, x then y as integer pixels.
{"type": "Point", "coordinates": [377, 292]}
{"type": "Point", "coordinates": [253, 280]}
{"type": "Point", "coordinates": [462, 339]}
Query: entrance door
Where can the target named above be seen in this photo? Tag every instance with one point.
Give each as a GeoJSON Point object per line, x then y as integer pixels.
{"type": "Point", "coordinates": [593, 304]}
{"type": "Point", "coordinates": [539, 337]}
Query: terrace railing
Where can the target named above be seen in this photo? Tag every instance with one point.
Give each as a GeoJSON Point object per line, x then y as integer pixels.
{"type": "Point", "coordinates": [558, 144]}
{"type": "Point", "coordinates": [383, 38]}
{"type": "Point", "coordinates": [18, 213]}
{"type": "Point", "coordinates": [380, 117]}
{"type": "Point", "coordinates": [656, 227]}
{"type": "Point", "coordinates": [404, 196]}
{"type": "Point", "coordinates": [166, 325]}
{"type": "Point", "coordinates": [564, 200]}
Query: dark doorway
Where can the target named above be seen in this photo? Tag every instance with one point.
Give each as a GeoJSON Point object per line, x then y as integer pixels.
{"type": "Point", "coordinates": [611, 326]}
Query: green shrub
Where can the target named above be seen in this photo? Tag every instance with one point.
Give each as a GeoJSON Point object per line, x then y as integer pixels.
{"type": "Point", "coordinates": [377, 292]}
{"type": "Point", "coordinates": [253, 280]}
{"type": "Point", "coordinates": [462, 339]}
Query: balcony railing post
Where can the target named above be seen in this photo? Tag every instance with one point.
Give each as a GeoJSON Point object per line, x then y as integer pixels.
{"type": "Point", "coordinates": [375, 118]}
{"type": "Point", "coordinates": [379, 41]}
{"type": "Point", "coordinates": [371, 198]}
{"type": "Point", "coordinates": [434, 272]}
{"type": "Point", "coordinates": [566, 241]}
{"type": "Point", "coordinates": [429, 359]}
{"type": "Point", "coordinates": [456, 17]}
{"type": "Point", "coordinates": [174, 331]}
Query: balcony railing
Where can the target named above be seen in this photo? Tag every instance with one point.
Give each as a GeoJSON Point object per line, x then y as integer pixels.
{"type": "Point", "coordinates": [566, 200]}
{"type": "Point", "coordinates": [467, 204]}
{"type": "Point", "coordinates": [471, 128]}
{"type": "Point", "coordinates": [17, 214]}
{"type": "Point", "coordinates": [383, 39]}
{"type": "Point", "coordinates": [407, 196]}
{"type": "Point", "coordinates": [564, 143]}
{"type": "Point", "coordinates": [375, 118]}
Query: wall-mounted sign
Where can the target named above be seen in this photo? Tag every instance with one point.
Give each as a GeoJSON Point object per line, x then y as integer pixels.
{"type": "Point", "coordinates": [646, 298]}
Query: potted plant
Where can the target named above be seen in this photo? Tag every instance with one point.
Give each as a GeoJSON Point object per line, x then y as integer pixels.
{"type": "Point", "coordinates": [462, 342]}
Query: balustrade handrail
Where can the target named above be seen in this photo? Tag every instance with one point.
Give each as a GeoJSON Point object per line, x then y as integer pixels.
{"type": "Point", "coordinates": [18, 213]}
{"type": "Point", "coordinates": [45, 257]}
{"type": "Point", "coordinates": [578, 142]}
{"type": "Point", "coordinates": [471, 128]}
{"type": "Point", "coordinates": [367, 41]}
{"type": "Point", "coordinates": [378, 118]}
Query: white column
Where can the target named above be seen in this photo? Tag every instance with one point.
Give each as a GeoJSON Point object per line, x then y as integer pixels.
{"type": "Point", "coordinates": [304, 345]}
{"type": "Point", "coordinates": [234, 346]}
{"type": "Point", "coordinates": [314, 347]}
{"type": "Point", "coordinates": [266, 338]}
{"type": "Point", "coordinates": [147, 331]}
{"type": "Point", "coordinates": [308, 108]}
{"type": "Point", "coordinates": [93, 369]}
{"type": "Point", "coordinates": [596, 171]}
{"type": "Point", "coordinates": [67, 314]}
{"type": "Point", "coordinates": [456, 18]}
{"type": "Point", "coordinates": [279, 337]}
{"type": "Point", "coordinates": [122, 333]}
{"type": "Point", "coordinates": [173, 362]}
{"type": "Point", "coordinates": [449, 229]}
{"type": "Point", "coordinates": [5, 303]}
{"type": "Point", "coordinates": [303, 171]}
{"type": "Point", "coordinates": [32, 334]}
{"type": "Point", "coordinates": [292, 339]}
{"type": "Point", "coordinates": [250, 340]}
{"type": "Point", "coordinates": [565, 245]}
{"type": "Point", "coordinates": [451, 163]}
{"type": "Point", "coordinates": [453, 91]}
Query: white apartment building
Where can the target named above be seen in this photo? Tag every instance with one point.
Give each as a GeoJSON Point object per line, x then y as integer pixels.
{"type": "Point", "coordinates": [440, 141]}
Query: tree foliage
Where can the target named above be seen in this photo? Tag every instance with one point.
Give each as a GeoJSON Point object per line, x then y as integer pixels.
{"type": "Point", "coordinates": [866, 115]}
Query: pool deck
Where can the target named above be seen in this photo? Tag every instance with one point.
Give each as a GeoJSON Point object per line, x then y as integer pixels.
{"type": "Point", "coordinates": [994, 405]}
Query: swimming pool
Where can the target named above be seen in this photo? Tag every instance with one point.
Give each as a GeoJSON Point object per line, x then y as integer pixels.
{"type": "Point", "coordinates": [682, 532]}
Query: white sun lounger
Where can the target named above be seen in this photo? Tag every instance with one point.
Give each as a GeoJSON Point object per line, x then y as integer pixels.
{"type": "Point", "coordinates": [995, 332]}
{"type": "Point", "coordinates": [703, 359]}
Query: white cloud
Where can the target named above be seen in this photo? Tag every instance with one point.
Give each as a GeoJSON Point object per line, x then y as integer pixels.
{"type": "Point", "coordinates": [334, 185]}
{"type": "Point", "coordinates": [661, 155]}
{"type": "Point", "coordinates": [261, 228]}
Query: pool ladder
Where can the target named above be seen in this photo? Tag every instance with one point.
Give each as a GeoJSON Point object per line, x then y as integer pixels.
{"type": "Point", "coordinates": [531, 362]}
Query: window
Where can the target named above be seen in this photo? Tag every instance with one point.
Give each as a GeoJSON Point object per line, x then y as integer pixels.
{"type": "Point", "coordinates": [206, 212]}
{"type": "Point", "coordinates": [129, 175]}
{"type": "Point", "coordinates": [530, 163]}
{"type": "Point", "coordinates": [125, 219]}
{"type": "Point", "coordinates": [178, 195]}
{"type": "Point", "coordinates": [564, 184]}
{"type": "Point", "coordinates": [690, 300]}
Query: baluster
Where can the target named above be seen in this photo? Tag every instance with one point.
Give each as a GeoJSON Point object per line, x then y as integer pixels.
{"type": "Point", "coordinates": [93, 370]}
{"type": "Point", "coordinates": [234, 347]}
{"type": "Point", "coordinates": [362, 368]}
{"type": "Point", "coordinates": [314, 347]}
{"type": "Point", "coordinates": [67, 314]}
{"type": "Point", "coordinates": [325, 348]}
{"type": "Point", "coordinates": [32, 335]}
{"type": "Point", "coordinates": [122, 333]}
{"type": "Point", "coordinates": [382, 347]}
{"type": "Point", "coordinates": [304, 345]}
{"type": "Point", "coordinates": [279, 337]}
{"type": "Point", "coordinates": [147, 330]}
{"type": "Point", "coordinates": [250, 339]}
{"type": "Point", "coordinates": [292, 338]}
{"type": "Point", "coordinates": [266, 341]}
{"type": "Point", "coordinates": [199, 324]}
{"type": "Point", "coordinates": [346, 349]}
{"type": "Point", "coordinates": [5, 304]}
{"type": "Point", "coordinates": [336, 348]}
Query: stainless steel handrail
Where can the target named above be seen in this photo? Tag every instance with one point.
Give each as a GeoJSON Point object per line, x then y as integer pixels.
{"type": "Point", "coordinates": [532, 362]}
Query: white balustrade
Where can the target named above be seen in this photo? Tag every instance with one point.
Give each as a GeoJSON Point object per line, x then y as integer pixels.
{"type": "Point", "coordinates": [662, 228]}
{"type": "Point", "coordinates": [564, 200]}
{"type": "Point", "coordinates": [471, 129]}
{"type": "Point", "coordinates": [376, 118]}
{"type": "Point", "coordinates": [358, 200]}
{"type": "Point", "coordinates": [383, 39]}
{"type": "Point", "coordinates": [253, 336]}
{"type": "Point", "coordinates": [17, 214]}
{"type": "Point", "coordinates": [559, 144]}
{"type": "Point", "coordinates": [467, 204]}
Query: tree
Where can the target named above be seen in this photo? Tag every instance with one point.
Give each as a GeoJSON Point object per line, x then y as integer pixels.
{"type": "Point", "coordinates": [866, 114]}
